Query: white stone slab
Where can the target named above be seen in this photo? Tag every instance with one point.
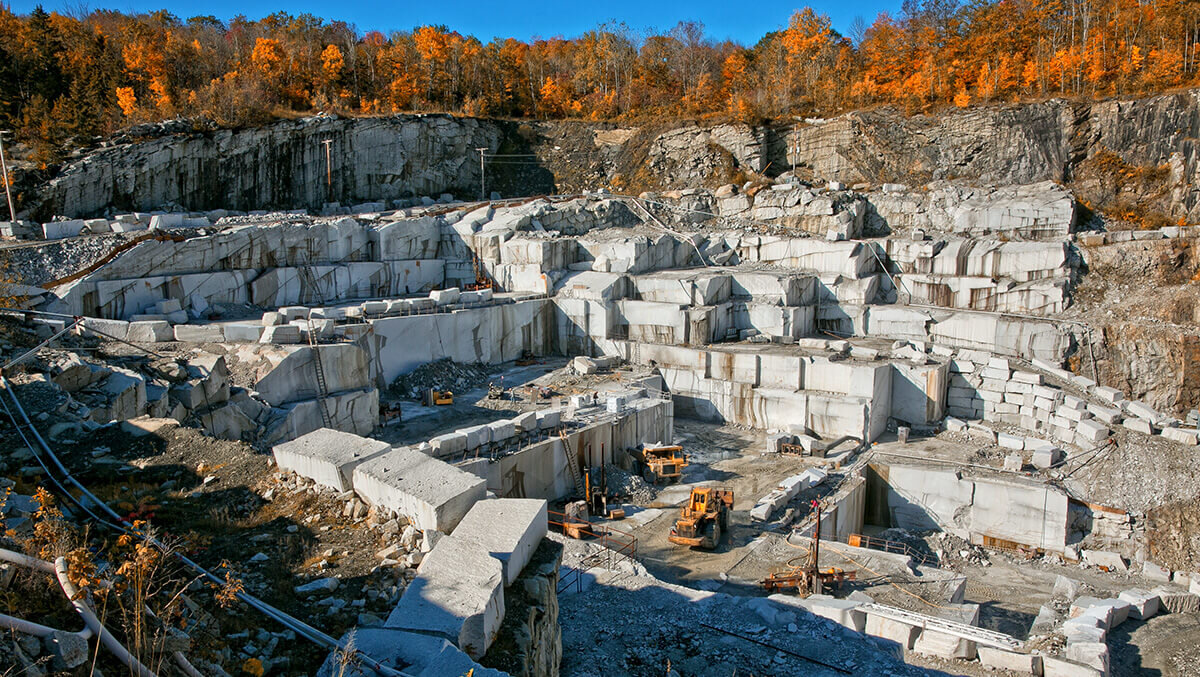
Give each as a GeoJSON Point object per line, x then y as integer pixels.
{"type": "Point", "coordinates": [433, 494]}
{"type": "Point", "coordinates": [458, 594]}
{"type": "Point", "coordinates": [328, 457]}
{"type": "Point", "coordinates": [508, 529]}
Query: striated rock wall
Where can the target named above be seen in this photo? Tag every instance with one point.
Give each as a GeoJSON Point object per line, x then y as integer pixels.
{"type": "Point", "coordinates": [1013, 144]}
{"type": "Point", "coordinates": [283, 164]}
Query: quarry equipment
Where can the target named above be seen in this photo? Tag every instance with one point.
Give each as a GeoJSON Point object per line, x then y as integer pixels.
{"type": "Point", "coordinates": [803, 574]}
{"type": "Point", "coordinates": [438, 398]}
{"type": "Point", "coordinates": [662, 463]}
{"type": "Point", "coordinates": [704, 519]}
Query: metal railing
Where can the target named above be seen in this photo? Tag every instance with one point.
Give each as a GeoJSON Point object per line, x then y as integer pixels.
{"type": "Point", "coordinates": [896, 547]}
{"type": "Point", "coordinates": [617, 545]}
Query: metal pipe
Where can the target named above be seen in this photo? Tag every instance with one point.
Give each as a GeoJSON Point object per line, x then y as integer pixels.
{"type": "Point", "coordinates": [93, 623]}
{"type": "Point", "coordinates": [307, 631]}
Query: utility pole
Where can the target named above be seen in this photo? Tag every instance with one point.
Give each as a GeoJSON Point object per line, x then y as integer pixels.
{"type": "Point", "coordinates": [482, 180]}
{"type": "Point", "coordinates": [328, 171]}
{"type": "Point", "coordinates": [12, 213]}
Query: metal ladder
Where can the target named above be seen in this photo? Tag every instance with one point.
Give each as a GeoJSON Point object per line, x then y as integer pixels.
{"type": "Point", "coordinates": [308, 279]}
{"type": "Point", "coordinates": [571, 464]}
{"type": "Point", "coordinates": [969, 632]}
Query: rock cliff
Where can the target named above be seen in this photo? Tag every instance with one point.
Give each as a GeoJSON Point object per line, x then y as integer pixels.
{"type": "Point", "coordinates": [283, 165]}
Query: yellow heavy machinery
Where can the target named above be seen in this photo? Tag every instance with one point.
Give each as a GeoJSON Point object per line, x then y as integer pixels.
{"type": "Point", "coordinates": [437, 398]}
{"type": "Point", "coordinates": [662, 463]}
{"type": "Point", "coordinates": [803, 574]}
{"type": "Point", "coordinates": [704, 519]}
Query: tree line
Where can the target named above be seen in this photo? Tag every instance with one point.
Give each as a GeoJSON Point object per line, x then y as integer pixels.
{"type": "Point", "coordinates": [67, 77]}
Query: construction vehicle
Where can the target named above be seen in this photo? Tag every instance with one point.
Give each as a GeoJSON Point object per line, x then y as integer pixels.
{"type": "Point", "coordinates": [438, 398]}
{"type": "Point", "coordinates": [662, 463]}
{"type": "Point", "coordinates": [704, 519]}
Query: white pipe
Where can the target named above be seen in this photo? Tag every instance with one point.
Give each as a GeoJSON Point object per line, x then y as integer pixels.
{"type": "Point", "coordinates": [106, 638]}
{"type": "Point", "coordinates": [186, 666]}
{"type": "Point", "coordinates": [27, 627]}
{"type": "Point", "coordinates": [26, 561]}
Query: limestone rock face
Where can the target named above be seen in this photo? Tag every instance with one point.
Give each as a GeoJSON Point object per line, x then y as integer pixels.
{"type": "Point", "coordinates": [280, 165]}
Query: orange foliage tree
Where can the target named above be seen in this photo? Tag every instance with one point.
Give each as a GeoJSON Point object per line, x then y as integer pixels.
{"type": "Point", "coordinates": [86, 74]}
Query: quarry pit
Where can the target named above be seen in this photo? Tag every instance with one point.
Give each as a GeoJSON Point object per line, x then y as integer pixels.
{"type": "Point", "coordinates": [385, 421]}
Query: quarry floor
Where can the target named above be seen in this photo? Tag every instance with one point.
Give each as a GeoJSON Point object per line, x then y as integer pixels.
{"type": "Point", "coordinates": [1010, 591]}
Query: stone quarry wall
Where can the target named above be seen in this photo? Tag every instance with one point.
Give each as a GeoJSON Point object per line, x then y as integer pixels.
{"type": "Point", "coordinates": [919, 497]}
{"type": "Point", "coordinates": [283, 164]}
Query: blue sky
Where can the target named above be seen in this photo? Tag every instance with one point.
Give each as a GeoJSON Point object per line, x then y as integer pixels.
{"type": "Point", "coordinates": [521, 19]}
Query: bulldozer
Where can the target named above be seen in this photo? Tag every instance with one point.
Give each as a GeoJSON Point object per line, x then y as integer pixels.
{"type": "Point", "coordinates": [704, 519]}
{"type": "Point", "coordinates": [662, 463]}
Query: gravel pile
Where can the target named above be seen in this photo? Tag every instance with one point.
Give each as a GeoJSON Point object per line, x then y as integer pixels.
{"type": "Point", "coordinates": [35, 265]}
{"type": "Point", "coordinates": [621, 482]}
{"type": "Point", "coordinates": [443, 374]}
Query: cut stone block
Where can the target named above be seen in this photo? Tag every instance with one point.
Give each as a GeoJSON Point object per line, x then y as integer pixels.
{"type": "Point", "coordinates": [1138, 425]}
{"type": "Point", "coordinates": [433, 494]}
{"type": "Point", "coordinates": [901, 633]}
{"type": "Point", "coordinates": [1107, 560]}
{"type": "Point", "coordinates": [1085, 628]}
{"type": "Point", "coordinates": [458, 594]}
{"type": "Point", "coordinates": [933, 643]}
{"type": "Point", "coordinates": [844, 612]}
{"type": "Point", "coordinates": [199, 333]}
{"type": "Point", "coordinates": [1091, 431]}
{"type": "Point", "coordinates": [526, 422]}
{"type": "Point", "coordinates": [1047, 457]}
{"type": "Point", "coordinates": [422, 655]}
{"type": "Point", "coordinates": [1142, 411]}
{"type": "Point", "coordinates": [1057, 667]}
{"type": "Point", "coordinates": [1023, 663]}
{"type": "Point", "coordinates": [500, 430]}
{"type": "Point", "coordinates": [450, 443]}
{"type": "Point", "coordinates": [1154, 573]}
{"type": "Point", "coordinates": [282, 334]}
{"type": "Point", "coordinates": [291, 313]}
{"type": "Point", "coordinates": [1105, 415]}
{"type": "Point", "coordinates": [1181, 435]}
{"type": "Point", "coordinates": [150, 332]}
{"type": "Point", "coordinates": [1142, 603]}
{"type": "Point", "coordinates": [328, 457]}
{"type": "Point", "coordinates": [243, 333]}
{"type": "Point", "coordinates": [1011, 441]}
{"type": "Point", "coordinates": [477, 436]}
{"type": "Point", "coordinates": [550, 418]}
{"type": "Point", "coordinates": [509, 529]}
{"type": "Point", "coordinates": [443, 297]}
{"type": "Point", "coordinates": [1092, 654]}
{"type": "Point", "coordinates": [1177, 601]}
{"type": "Point", "coordinates": [1109, 395]}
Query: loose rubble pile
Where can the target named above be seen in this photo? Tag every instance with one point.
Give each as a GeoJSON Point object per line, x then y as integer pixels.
{"type": "Point", "coordinates": [444, 374]}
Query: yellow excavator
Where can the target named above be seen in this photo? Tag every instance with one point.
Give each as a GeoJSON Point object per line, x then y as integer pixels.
{"type": "Point", "coordinates": [704, 519]}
